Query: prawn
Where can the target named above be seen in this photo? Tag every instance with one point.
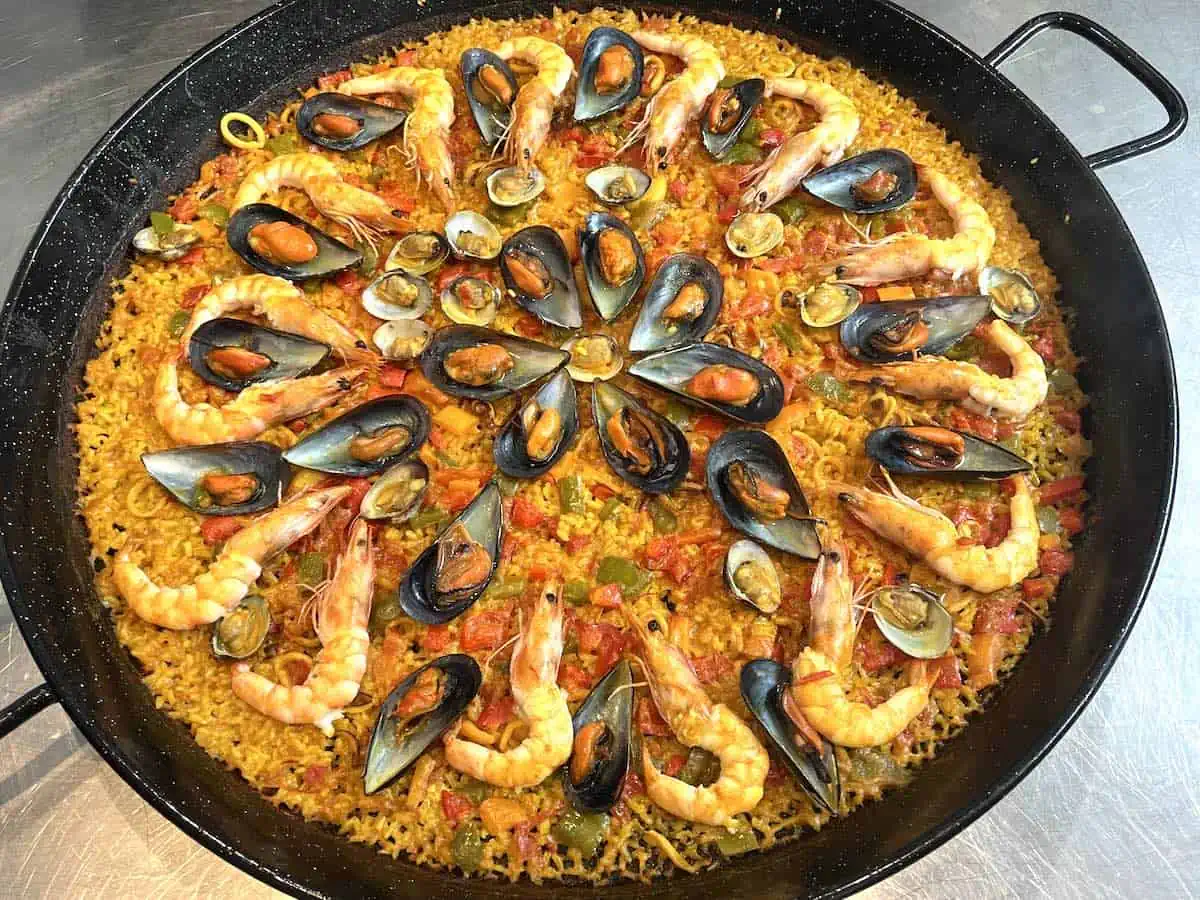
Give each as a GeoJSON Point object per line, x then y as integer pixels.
{"type": "Point", "coordinates": [823, 144]}
{"type": "Point", "coordinates": [697, 722]}
{"type": "Point", "coordinates": [227, 581]}
{"type": "Point", "coordinates": [341, 616]}
{"type": "Point", "coordinates": [427, 128]}
{"type": "Point", "coordinates": [534, 105]}
{"type": "Point", "coordinates": [540, 702]}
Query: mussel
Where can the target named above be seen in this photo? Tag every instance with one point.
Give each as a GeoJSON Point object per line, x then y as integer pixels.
{"type": "Point", "coordinates": [539, 432]}
{"type": "Point", "coordinates": [753, 234]}
{"type": "Point", "coordinates": [641, 446]}
{"type": "Point", "coordinates": [751, 576]}
{"type": "Point", "coordinates": [241, 631]}
{"type": "Point", "coordinates": [825, 304]}
{"type": "Point", "coordinates": [600, 754]}
{"type": "Point", "coordinates": [729, 109]}
{"type": "Point", "coordinates": [165, 239]}
{"type": "Point", "coordinates": [913, 620]}
{"type": "Point", "coordinates": [1014, 298]}
{"type": "Point", "coordinates": [403, 340]}
{"type": "Point", "coordinates": [468, 300]}
{"type": "Point", "coordinates": [276, 242]}
{"type": "Point", "coordinates": [365, 440]}
{"type": "Point", "coordinates": [397, 295]}
{"type": "Point", "coordinates": [617, 185]}
{"type": "Point", "coordinates": [512, 186]}
{"type": "Point", "coordinates": [468, 361]}
{"type": "Point", "coordinates": [233, 479]}
{"type": "Point", "coordinates": [537, 272]}
{"type": "Point", "coordinates": [610, 73]}
{"type": "Point", "coordinates": [418, 253]}
{"type": "Point", "coordinates": [937, 452]}
{"type": "Point", "coordinates": [681, 304]}
{"type": "Point", "coordinates": [473, 236]}
{"type": "Point", "coordinates": [898, 330]}
{"type": "Point", "coordinates": [234, 354]}
{"type": "Point", "coordinates": [449, 576]}
{"type": "Point", "coordinates": [396, 495]}
{"type": "Point", "coordinates": [614, 264]}
{"type": "Point", "coordinates": [870, 183]}
{"type": "Point", "coordinates": [416, 713]}
{"type": "Point", "coordinates": [594, 357]}
{"type": "Point", "coordinates": [342, 122]}
{"type": "Point", "coordinates": [491, 89]}
{"type": "Point", "coordinates": [718, 378]}
{"type": "Point", "coordinates": [752, 483]}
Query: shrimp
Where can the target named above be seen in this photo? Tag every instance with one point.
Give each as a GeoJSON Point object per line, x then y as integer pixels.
{"type": "Point", "coordinates": [697, 722]}
{"type": "Point", "coordinates": [540, 702]}
{"type": "Point", "coordinates": [534, 106]}
{"type": "Point", "coordinates": [927, 533]}
{"type": "Point", "coordinates": [816, 673]}
{"type": "Point", "coordinates": [341, 616]}
{"type": "Point", "coordinates": [229, 578]}
{"type": "Point", "coordinates": [249, 414]}
{"type": "Point", "coordinates": [823, 144]}
{"type": "Point", "coordinates": [935, 378]}
{"type": "Point", "coordinates": [907, 255]}
{"type": "Point", "coordinates": [670, 110]}
{"type": "Point", "coordinates": [427, 128]}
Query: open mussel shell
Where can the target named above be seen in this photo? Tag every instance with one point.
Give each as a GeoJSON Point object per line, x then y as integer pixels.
{"type": "Point", "coordinates": [681, 304]}
{"type": "Point", "coordinates": [594, 357]}
{"type": "Point", "coordinates": [199, 477]}
{"type": "Point", "coordinates": [365, 440]}
{"type": "Point", "coordinates": [846, 185]}
{"type": "Point", "coordinates": [512, 186]}
{"type": "Point", "coordinates": [751, 576]}
{"type": "Point", "coordinates": [527, 362]}
{"type": "Point", "coordinates": [595, 98]}
{"type": "Point", "coordinates": [418, 253]}
{"type": "Point", "coordinates": [491, 88]}
{"type": "Point", "coordinates": [397, 295]}
{"type": "Point", "coordinates": [538, 273]}
{"type": "Point", "coordinates": [395, 743]}
{"type": "Point", "coordinates": [763, 682]}
{"type": "Point", "coordinates": [913, 620]}
{"type": "Point", "coordinates": [936, 452]}
{"type": "Point", "coordinates": [403, 340]}
{"type": "Point", "coordinates": [396, 495]}
{"type": "Point", "coordinates": [660, 456]}
{"type": "Point", "coordinates": [468, 300]}
{"type": "Point", "coordinates": [599, 760]}
{"type": "Point", "coordinates": [717, 378]}
{"type": "Point", "coordinates": [342, 122]}
{"type": "Point", "coordinates": [617, 185]}
{"type": "Point", "coordinates": [331, 256]}
{"type": "Point", "coordinates": [1014, 298]}
{"type": "Point", "coordinates": [241, 631]}
{"type": "Point", "coordinates": [758, 454]}
{"type": "Point", "coordinates": [511, 448]}
{"type": "Point", "coordinates": [728, 111]}
{"type": "Point", "coordinates": [473, 236]}
{"type": "Point", "coordinates": [483, 521]}
{"type": "Point", "coordinates": [613, 263]}
{"type": "Point", "coordinates": [896, 330]}
{"type": "Point", "coordinates": [234, 354]}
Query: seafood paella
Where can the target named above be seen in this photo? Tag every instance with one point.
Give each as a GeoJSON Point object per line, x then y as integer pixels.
{"type": "Point", "coordinates": [589, 447]}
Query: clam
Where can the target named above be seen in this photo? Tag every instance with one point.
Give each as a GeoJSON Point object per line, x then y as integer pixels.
{"type": "Point", "coordinates": [913, 620]}
{"type": "Point", "coordinates": [870, 183]}
{"type": "Point", "coordinates": [512, 186]}
{"type": "Point", "coordinates": [825, 304]}
{"type": "Point", "coordinates": [681, 304]}
{"type": "Point", "coordinates": [397, 295]}
{"type": "Point", "coordinates": [594, 357]}
{"type": "Point", "coordinates": [416, 713]}
{"type": "Point", "coordinates": [491, 89]}
{"type": "Point", "coordinates": [468, 361]}
{"type": "Point", "coordinates": [418, 253]}
{"type": "Point", "coordinates": [241, 631]}
{"type": "Point", "coordinates": [278, 243]}
{"type": "Point", "coordinates": [166, 243]}
{"type": "Point", "coordinates": [898, 330]}
{"type": "Point", "coordinates": [751, 576]}
{"type": "Point", "coordinates": [600, 754]}
{"type": "Point", "coordinates": [937, 452]}
{"type": "Point", "coordinates": [753, 234]}
{"type": "Point", "coordinates": [539, 432]}
{"type": "Point", "coordinates": [613, 263]}
{"type": "Point", "coordinates": [233, 479]}
{"type": "Point", "coordinates": [473, 236]}
{"type": "Point", "coordinates": [234, 354]}
{"type": "Point", "coordinates": [729, 109]}
{"type": "Point", "coordinates": [753, 485]}
{"type": "Point", "coordinates": [617, 185]}
{"type": "Point", "coordinates": [610, 73]}
{"type": "Point", "coordinates": [403, 340]}
{"type": "Point", "coordinates": [396, 495]}
{"type": "Point", "coordinates": [641, 446]}
{"type": "Point", "coordinates": [449, 576]}
{"type": "Point", "coordinates": [342, 122]}
{"type": "Point", "coordinates": [538, 273]}
{"type": "Point", "coordinates": [1013, 296]}
{"type": "Point", "coordinates": [365, 440]}
{"type": "Point", "coordinates": [470, 301]}
{"type": "Point", "coordinates": [717, 378]}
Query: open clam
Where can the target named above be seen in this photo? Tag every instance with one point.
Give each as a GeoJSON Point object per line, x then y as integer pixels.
{"type": "Point", "coordinates": [233, 479]}
{"type": "Point", "coordinates": [403, 340]}
{"type": "Point", "coordinates": [538, 273]}
{"type": "Point", "coordinates": [751, 576]}
{"type": "Point", "coordinates": [898, 330]}
{"type": "Point", "coordinates": [539, 432]}
{"type": "Point", "coordinates": [681, 305]}
{"type": "Point", "coordinates": [278, 243]}
{"type": "Point", "coordinates": [365, 440]}
{"type": "Point", "coordinates": [617, 185]}
{"type": "Point", "coordinates": [600, 754]}
{"type": "Point", "coordinates": [491, 89]}
{"type": "Point", "coordinates": [243, 630]}
{"type": "Point", "coordinates": [753, 234]}
{"type": "Point", "coordinates": [717, 378]}
{"type": "Point", "coordinates": [825, 304]}
{"type": "Point", "coordinates": [234, 354]}
{"type": "Point", "coordinates": [913, 620]}
{"type": "Point", "coordinates": [610, 73]}
{"type": "Point", "coordinates": [468, 300]}
{"type": "Point", "coordinates": [397, 295]}
{"type": "Point", "coordinates": [641, 446]}
{"type": "Point", "coordinates": [396, 495]}
{"type": "Point", "coordinates": [342, 122]}
{"type": "Point", "coordinates": [936, 452]}
{"type": "Point", "coordinates": [594, 357]}
{"type": "Point", "coordinates": [728, 111]}
{"type": "Point", "coordinates": [1014, 298]}
{"type": "Point", "coordinates": [473, 236]}
{"type": "Point", "coordinates": [512, 186]}
{"type": "Point", "coordinates": [614, 264]}
{"type": "Point", "coordinates": [468, 361]}
{"type": "Point", "coordinates": [418, 253]}
{"type": "Point", "coordinates": [165, 239]}
{"type": "Point", "coordinates": [869, 183]}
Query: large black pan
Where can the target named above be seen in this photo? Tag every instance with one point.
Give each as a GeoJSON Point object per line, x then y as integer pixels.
{"type": "Point", "coordinates": [57, 303]}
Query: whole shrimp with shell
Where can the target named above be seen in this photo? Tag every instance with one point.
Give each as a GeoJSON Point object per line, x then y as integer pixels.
{"type": "Point", "coordinates": [533, 107]}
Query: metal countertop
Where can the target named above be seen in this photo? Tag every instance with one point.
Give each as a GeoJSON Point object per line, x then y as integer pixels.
{"type": "Point", "coordinates": [1114, 811]}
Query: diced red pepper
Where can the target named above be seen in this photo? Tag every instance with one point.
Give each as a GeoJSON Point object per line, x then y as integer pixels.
{"type": "Point", "coordinates": [664, 554]}
{"type": "Point", "coordinates": [712, 668]}
{"type": "Point", "coordinates": [1070, 520]}
{"type": "Point", "coordinates": [649, 721]}
{"type": "Point", "coordinates": [601, 491]}
{"type": "Point", "coordinates": [455, 808]}
{"type": "Point", "coordinates": [996, 615]}
{"type": "Point", "coordinates": [771, 138]}
{"type": "Point", "coordinates": [576, 543]}
{"type": "Point", "coordinates": [350, 282]}
{"type": "Point", "coordinates": [948, 675]}
{"type": "Point", "coordinates": [485, 630]}
{"type": "Point", "coordinates": [674, 765]}
{"type": "Point", "coordinates": [358, 490]}
{"type": "Point", "coordinates": [193, 256]}
{"type": "Point", "coordinates": [216, 529]}
{"type": "Point", "coordinates": [632, 786]}
{"type": "Point", "coordinates": [529, 326]}
{"type": "Point", "coordinates": [392, 375]}
{"type": "Point", "coordinates": [435, 638]}
{"type": "Point", "coordinates": [727, 212]}
{"type": "Point", "coordinates": [590, 160]}
{"type": "Point", "coordinates": [406, 58]}
{"type": "Point", "coordinates": [184, 208]}
{"type": "Point", "coordinates": [815, 242]}
{"type": "Point", "coordinates": [297, 426]}
{"type": "Point", "coordinates": [1069, 419]}
{"type": "Point", "coordinates": [751, 306]}
{"type": "Point", "coordinates": [1063, 490]}
{"type": "Point", "coordinates": [965, 420]}
{"type": "Point", "coordinates": [677, 189]}
{"type": "Point", "coordinates": [604, 640]}
{"type": "Point", "coordinates": [605, 596]}
{"type": "Point", "coordinates": [333, 79]}
{"type": "Point", "coordinates": [876, 653]}
{"type": "Point", "coordinates": [1055, 562]}
{"type": "Point", "coordinates": [496, 713]}
{"type": "Point", "coordinates": [193, 295]}
{"type": "Point", "coordinates": [525, 513]}
{"type": "Point", "coordinates": [1036, 588]}
{"type": "Point", "coordinates": [1043, 346]}
{"type": "Point", "coordinates": [574, 678]}
{"type": "Point", "coordinates": [995, 530]}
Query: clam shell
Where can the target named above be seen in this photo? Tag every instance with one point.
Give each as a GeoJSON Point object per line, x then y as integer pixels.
{"type": "Point", "coordinates": [469, 221]}
{"type": "Point", "coordinates": [409, 254]}
{"type": "Point", "coordinates": [377, 303]}
{"type": "Point", "coordinates": [930, 639]}
{"type": "Point", "coordinates": [373, 502]}
{"type": "Point", "coordinates": [996, 283]}
{"type": "Point", "coordinates": [599, 179]}
{"type": "Point", "coordinates": [253, 634]}
{"type": "Point", "coordinates": [388, 336]}
{"type": "Point", "coordinates": [586, 375]}
{"type": "Point", "coordinates": [746, 551]}
{"type": "Point", "coordinates": [463, 315]}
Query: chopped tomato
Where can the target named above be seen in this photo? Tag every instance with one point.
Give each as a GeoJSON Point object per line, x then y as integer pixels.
{"type": "Point", "coordinates": [674, 765]}
{"type": "Point", "coordinates": [947, 669]}
{"type": "Point", "coordinates": [590, 160]}
{"type": "Point", "coordinates": [664, 554]}
{"type": "Point", "coordinates": [995, 530]}
{"type": "Point", "coordinates": [392, 375]}
{"type": "Point", "coordinates": [815, 242]}
{"type": "Point", "coordinates": [1070, 520]}
{"type": "Point", "coordinates": [632, 786]}
{"type": "Point", "coordinates": [1063, 490]}
{"type": "Point", "coordinates": [417, 385]}
{"type": "Point", "coordinates": [193, 294]}
{"type": "Point", "coordinates": [996, 615]}
{"type": "Point", "coordinates": [1069, 419]}
{"type": "Point", "coordinates": [1036, 588]}
{"type": "Point", "coordinates": [525, 514]}
{"type": "Point", "coordinates": [529, 326]}
{"type": "Point", "coordinates": [485, 630]}
{"type": "Point", "coordinates": [649, 721]}
{"type": "Point", "coordinates": [358, 490]}
{"type": "Point", "coordinates": [216, 529]}
{"type": "Point", "coordinates": [771, 138]}
{"type": "Point", "coordinates": [889, 573]}
{"type": "Point", "coordinates": [667, 234]}
{"type": "Point", "coordinates": [601, 491]}
{"type": "Point", "coordinates": [435, 638]}
{"type": "Point", "coordinates": [315, 776]}
{"type": "Point", "coordinates": [605, 641]}
{"type": "Point", "coordinates": [333, 79]}
{"type": "Point", "coordinates": [350, 282]}
{"type": "Point", "coordinates": [780, 264]}
{"type": "Point", "coordinates": [876, 653]}
{"type": "Point", "coordinates": [184, 208]}
{"type": "Point", "coordinates": [574, 678]}
{"type": "Point", "coordinates": [455, 808]}
{"type": "Point", "coordinates": [193, 256]}
{"type": "Point", "coordinates": [728, 211]}
{"type": "Point", "coordinates": [699, 537]}
{"type": "Point", "coordinates": [406, 58]}
{"type": "Point", "coordinates": [712, 668]}
{"type": "Point", "coordinates": [297, 425]}
{"type": "Point", "coordinates": [1055, 562]}
{"type": "Point", "coordinates": [606, 596]}
{"type": "Point", "coordinates": [576, 543]}
{"type": "Point", "coordinates": [677, 189]}
{"type": "Point", "coordinates": [712, 427]}
{"type": "Point", "coordinates": [1043, 346]}
{"type": "Point", "coordinates": [496, 713]}
{"type": "Point", "coordinates": [539, 572]}
{"type": "Point", "coordinates": [965, 420]}
{"type": "Point", "coordinates": [751, 306]}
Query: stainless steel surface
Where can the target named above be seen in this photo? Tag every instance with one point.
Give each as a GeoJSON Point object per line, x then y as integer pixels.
{"type": "Point", "coordinates": [1115, 809]}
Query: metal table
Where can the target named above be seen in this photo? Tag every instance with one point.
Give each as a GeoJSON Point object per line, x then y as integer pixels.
{"type": "Point", "coordinates": [1113, 812]}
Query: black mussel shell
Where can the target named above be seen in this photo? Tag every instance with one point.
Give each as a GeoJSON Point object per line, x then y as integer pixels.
{"type": "Point", "coordinates": [762, 683]}
{"type": "Point", "coordinates": [388, 755]}
{"type": "Point", "coordinates": [591, 104]}
{"type": "Point", "coordinates": [672, 370]}
{"type": "Point", "coordinates": [836, 184]}
{"type": "Point", "coordinates": [936, 452]}
{"type": "Point", "coordinates": [794, 533]}
{"type": "Point", "coordinates": [342, 447]}
{"type": "Point", "coordinates": [374, 119]}
{"type": "Point", "coordinates": [182, 469]}
{"type": "Point", "coordinates": [611, 704]}
{"type": "Point", "coordinates": [560, 306]}
{"type": "Point", "coordinates": [332, 255]}
{"type": "Point", "coordinates": [893, 331]}
{"type": "Point", "coordinates": [670, 468]}
{"type": "Point", "coordinates": [509, 447]}
{"type": "Point", "coordinates": [531, 361]}
{"type": "Point", "coordinates": [491, 117]}
{"type": "Point", "coordinates": [608, 299]}
{"type": "Point", "coordinates": [749, 94]}
{"type": "Point", "coordinates": [651, 332]}
{"type": "Point", "coordinates": [290, 355]}
{"type": "Point", "coordinates": [484, 521]}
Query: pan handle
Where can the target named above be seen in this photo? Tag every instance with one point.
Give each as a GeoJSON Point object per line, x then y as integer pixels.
{"type": "Point", "coordinates": [25, 708]}
{"type": "Point", "coordinates": [1128, 58]}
